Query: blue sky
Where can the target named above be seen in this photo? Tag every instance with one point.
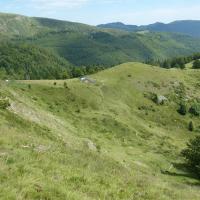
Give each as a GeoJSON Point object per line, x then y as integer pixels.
{"type": "Point", "coordinates": [103, 11]}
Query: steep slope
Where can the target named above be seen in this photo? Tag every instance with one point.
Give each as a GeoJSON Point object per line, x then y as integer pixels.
{"type": "Point", "coordinates": [87, 45]}
{"type": "Point", "coordinates": [110, 48]}
{"type": "Point", "coordinates": [22, 26]}
{"type": "Point", "coordinates": [101, 139]}
{"type": "Point", "coordinates": [31, 62]}
{"type": "Point", "coordinates": [188, 27]}
{"type": "Point", "coordinates": [11, 24]}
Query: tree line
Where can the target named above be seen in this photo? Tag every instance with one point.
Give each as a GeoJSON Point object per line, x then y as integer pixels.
{"type": "Point", "coordinates": [26, 61]}
{"type": "Point", "coordinates": [177, 62]}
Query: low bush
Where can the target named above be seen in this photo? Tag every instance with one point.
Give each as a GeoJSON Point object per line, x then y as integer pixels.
{"type": "Point", "coordinates": [147, 108]}
{"type": "Point", "coordinates": [196, 64]}
{"type": "Point", "coordinates": [4, 103]}
{"type": "Point", "coordinates": [191, 126]}
{"type": "Point", "coordinates": [182, 109]}
{"type": "Point", "coordinates": [195, 109]}
{"type": "Point", "coordinates": [65, 85]}
{"type": "Point", "coordinates": [151, 96]}
{"type": "Point", "coordinates": [192, 155]}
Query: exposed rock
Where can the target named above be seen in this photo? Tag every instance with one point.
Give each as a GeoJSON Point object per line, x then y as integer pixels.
{"type": "Point", "coordinates": [91, 146]}
{"type": "Point", "coordinates": [3, 154]}
{"type": "Point", "coordinates": [25, 146]}
{"type": "Point", "coordinates": [42, 148]}
{"type": "Point", "coordinates": [161, 99]}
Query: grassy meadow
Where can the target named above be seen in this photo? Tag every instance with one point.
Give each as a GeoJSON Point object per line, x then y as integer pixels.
{"type": "Point", "coordinates": [105, 139]}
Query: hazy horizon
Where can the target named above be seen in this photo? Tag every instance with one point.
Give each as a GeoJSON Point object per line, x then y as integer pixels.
{"type": "Point", "coordinates": [106, 11]}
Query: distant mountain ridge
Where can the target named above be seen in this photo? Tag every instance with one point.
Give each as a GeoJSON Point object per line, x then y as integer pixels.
{"type": "Point", "coordinates": [188, 27]}
{"type": "Point", "coordinates": [120, 26]}
{"type": "Point", "coordinates": [85, 46]}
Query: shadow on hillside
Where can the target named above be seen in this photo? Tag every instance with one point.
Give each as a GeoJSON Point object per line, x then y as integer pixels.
{"type": "Point", "coordinates": [184, 171]}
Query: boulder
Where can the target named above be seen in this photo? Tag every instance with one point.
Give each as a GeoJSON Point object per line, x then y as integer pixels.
{"type": "Point", "coordinates": [91, 146]}
{"type": "Point", "coordinates": [161, 99]}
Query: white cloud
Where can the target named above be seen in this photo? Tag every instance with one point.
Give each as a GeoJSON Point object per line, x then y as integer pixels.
{"type": "Point", "coordinates": [103, 11]}
{"type": "Point", "coordinates": [44, 5]}
{"type": "Point", "coordinates": [58, 3]}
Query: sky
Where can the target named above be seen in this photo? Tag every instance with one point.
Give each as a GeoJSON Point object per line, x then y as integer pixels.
{"type": "Point", "coordinates": [93, 12]}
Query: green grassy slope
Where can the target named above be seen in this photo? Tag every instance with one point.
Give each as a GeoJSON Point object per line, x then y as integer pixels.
{"type": "Point", "coordinates": [11, 24]}
{"type": "Point", "coordinates": [22, 26]}
{"type": "Point", "coordinates": [102, 140]}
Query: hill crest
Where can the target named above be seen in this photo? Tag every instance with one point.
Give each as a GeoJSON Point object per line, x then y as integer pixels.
{"type": "Point", "coordinates": [189, 27]}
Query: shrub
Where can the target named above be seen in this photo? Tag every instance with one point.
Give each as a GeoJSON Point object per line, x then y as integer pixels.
{"type": "Point", "coordinates": [192, 154]}
{"type": "Point", "coordinates": [78, 110]}
{"type": "Point", "coordinates": [65, 85]}
{"type": "Point", "coordinates": [150, 96]}
{"type": "Point", "coordinates": [98, 148]}
{"type": "Point", "coordinates": [191, 126]}
{"type": "Point", "coordinates": [153, 97]}
{"type": "Point", "coordinates": [147, 108]}
{"type": "Point", "coordinates": [4, 103]}
{"type": "Point", "coordinates": [195, 109]}
{"type": "Point", "coordinates": [182, 109]}
{"type": "Point", "coordinates": [54, 83]}
{"type": "Point", "coordinates": [35, 98]}
{"type": "Point", "coordinates": [196, 64]}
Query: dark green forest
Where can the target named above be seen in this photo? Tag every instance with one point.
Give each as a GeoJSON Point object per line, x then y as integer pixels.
{"type": "Point", "coordinates": [177, 62]}
{"type": "Point", "coordinates": [30, 62]}
{"type": "Point", "coordinates": [24, 61]}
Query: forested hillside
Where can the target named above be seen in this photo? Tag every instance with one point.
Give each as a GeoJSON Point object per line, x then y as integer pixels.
{"type": "Point", "coordinates": [84, 45]}
{"type": "Point", "coordinates": [110, 48]}
{"type": "Point", "coordinates": [30, 62]}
